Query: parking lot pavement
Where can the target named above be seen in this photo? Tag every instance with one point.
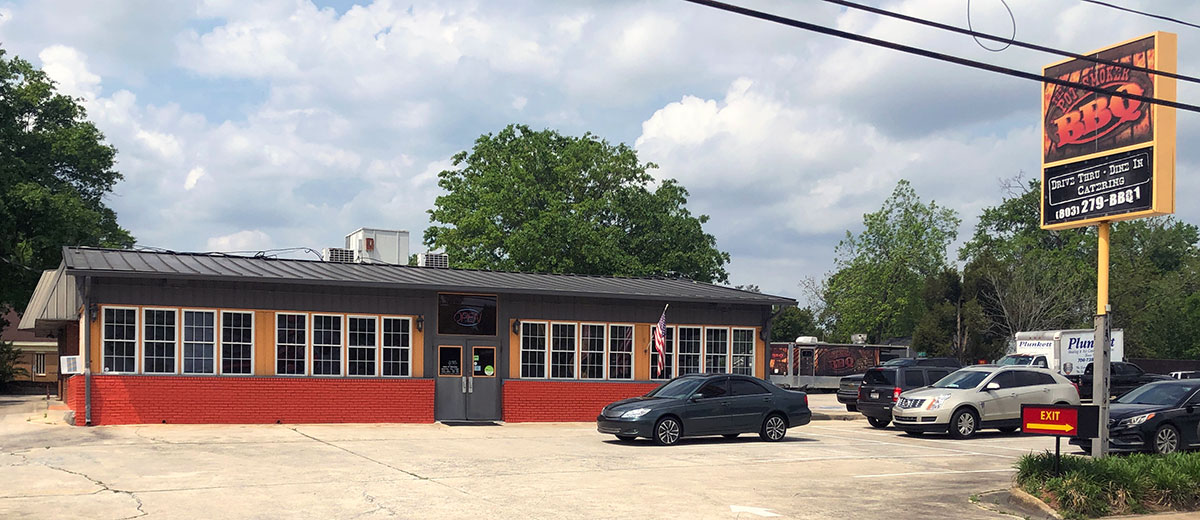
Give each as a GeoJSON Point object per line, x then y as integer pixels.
{"type": "Point", "coordinates": [828, 469]}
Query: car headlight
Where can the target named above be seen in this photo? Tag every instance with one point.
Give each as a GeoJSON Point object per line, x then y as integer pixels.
{"type": "Point", "coordinates": [937, 402]}
{"type": "Point", "coordinates": [635, 413]}
{"type": "Point", "coordinates": [1135, 420]}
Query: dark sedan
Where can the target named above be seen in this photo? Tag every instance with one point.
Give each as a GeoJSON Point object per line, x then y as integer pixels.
{"type": "Point", "coordinates": [706, 404]}
{"type": "Point", "coordinates": [1162, 417]}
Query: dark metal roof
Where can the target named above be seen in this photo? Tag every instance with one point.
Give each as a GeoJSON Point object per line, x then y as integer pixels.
{"type": "Point", "coordinates": [80, 261]}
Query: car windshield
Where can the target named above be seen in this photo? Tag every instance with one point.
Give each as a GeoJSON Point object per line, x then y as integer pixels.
{"type": "Point", "coordinates": [1163, 395]}
{"type": "Point", "coordinates": [962, 379]}
{"type": "Point", "coordinates": [677, 389]}
{"type": "Point", "coordinates": [1016, 360]}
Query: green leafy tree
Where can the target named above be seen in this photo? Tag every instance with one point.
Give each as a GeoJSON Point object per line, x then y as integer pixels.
{"type": "Point", "coordinates": [540, 201]}
{"type": "Point", "coordinates": [9, 371]}
{"type": "Point", "coordinates": [55, 170]}
{"type": "Point", "coordinates": [1153, 285]}
{"type": "Point", "coordinates": [794, 322]}
{"type": "Point", "coordinates": [880, 272]}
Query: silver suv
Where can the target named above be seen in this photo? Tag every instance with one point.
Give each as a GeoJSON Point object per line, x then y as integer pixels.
{"type": "Point", "coordinates": [980, 396]}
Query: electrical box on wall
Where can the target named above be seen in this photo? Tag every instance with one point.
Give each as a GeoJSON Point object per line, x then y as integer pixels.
{"type": "Point", "coordinates": [378, 246]}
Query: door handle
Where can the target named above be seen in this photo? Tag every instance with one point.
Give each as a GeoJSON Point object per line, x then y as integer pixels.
{"type": "Point", "coordinates": [766, 399]}
{"type": "Point", "coordinates": [470, 385]}
{"type": "Point", "coordinates": [724, 403]}
{"type": "Point", "coordinates": [464, 384]}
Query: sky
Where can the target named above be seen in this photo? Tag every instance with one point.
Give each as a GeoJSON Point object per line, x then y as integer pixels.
{"type": "Point", "coordinates": [244, 126]}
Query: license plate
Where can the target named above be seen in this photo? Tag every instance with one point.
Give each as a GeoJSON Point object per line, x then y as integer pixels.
{"type": "Point", "coordinates": [874, 395]}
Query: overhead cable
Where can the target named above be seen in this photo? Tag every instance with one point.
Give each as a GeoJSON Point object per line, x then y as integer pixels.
{"type": "Point", "coordinates": [937, 55]}
{"type": "Point", "coordinates": [1016, 43]}
{"type": "Point", "coordinates": [1011, 39]}
{"type": "Point", "coordinates": [1143, 13]}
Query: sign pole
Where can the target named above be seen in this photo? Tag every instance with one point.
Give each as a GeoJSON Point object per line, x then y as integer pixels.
{"type": "Point", "coordinates": [1101, 365]}
{"type": "Point", "coordinates": [1057, 456]}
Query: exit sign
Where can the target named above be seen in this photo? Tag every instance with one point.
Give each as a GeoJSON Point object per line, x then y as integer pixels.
{"type": "Point", "coordinates": [1063, 421]}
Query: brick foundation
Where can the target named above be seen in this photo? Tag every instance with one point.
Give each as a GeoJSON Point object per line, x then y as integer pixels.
{"type": "Point", "coordinates": [247, 400]}
{"type": "Point", "coordinates": [567, 401]}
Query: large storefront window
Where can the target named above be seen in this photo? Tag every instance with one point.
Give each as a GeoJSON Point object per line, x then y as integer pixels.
{"type": "Point", "coordinates": [466, 314]}
{"type": "Point", "coordinates": [533, 349]}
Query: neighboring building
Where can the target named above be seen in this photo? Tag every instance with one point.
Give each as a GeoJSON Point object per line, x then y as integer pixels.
{"type": "Point", "coordinates": [199, 338]}
{"type": "Point", "coordinates": [39, 359]}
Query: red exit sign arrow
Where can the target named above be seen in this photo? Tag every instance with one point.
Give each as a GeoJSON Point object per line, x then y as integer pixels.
{"type": "Point", "coordinates": [1053, 420]}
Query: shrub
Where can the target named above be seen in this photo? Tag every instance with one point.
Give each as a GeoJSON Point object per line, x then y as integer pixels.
{"type": "Point", "coordinates": [1136, 483]}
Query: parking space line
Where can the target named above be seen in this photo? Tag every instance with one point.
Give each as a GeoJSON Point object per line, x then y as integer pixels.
{"type": "Point", "coordinates": [955, 450]}
{"type": "Point", "coordinates": [946, 472]}
{"type": "Point", "coordinates": [941, 441]}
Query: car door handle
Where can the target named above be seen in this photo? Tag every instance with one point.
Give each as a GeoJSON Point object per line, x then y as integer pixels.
{"type": "Point", "coordinates": [724, 403]}
{"type": "Point", "coordinates": [766, 399]}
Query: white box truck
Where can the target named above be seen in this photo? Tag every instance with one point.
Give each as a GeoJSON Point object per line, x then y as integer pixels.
{"type": "Point", "coordinates": [1066, 351]}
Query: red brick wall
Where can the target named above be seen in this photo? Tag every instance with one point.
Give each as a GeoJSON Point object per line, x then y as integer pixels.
{"type": "Point", "coordinates": [245, 400]}
{"type": "Point", "coordinates": [541, 401]}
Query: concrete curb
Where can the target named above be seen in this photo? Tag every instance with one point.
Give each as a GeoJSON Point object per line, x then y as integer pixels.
{"type": "Point", "coordinates": [1015, 502]}
{"type": "Point", "coordinates": [817, 416]}
{"type": "Point", "coordinates": [1019, 495]}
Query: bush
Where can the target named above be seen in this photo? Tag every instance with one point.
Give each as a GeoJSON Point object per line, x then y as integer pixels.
{"type": "Point", "coordinates": [1138, 483]}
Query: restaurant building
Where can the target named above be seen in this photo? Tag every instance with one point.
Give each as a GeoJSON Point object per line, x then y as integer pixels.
{"type": "Point", "coordinates": [169, 337]}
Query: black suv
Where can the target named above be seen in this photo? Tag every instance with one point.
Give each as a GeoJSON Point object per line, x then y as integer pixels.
{"type": "Point", "coordinates": [847, 392]}
{"type": "Point", "coordinates": [882, 386]}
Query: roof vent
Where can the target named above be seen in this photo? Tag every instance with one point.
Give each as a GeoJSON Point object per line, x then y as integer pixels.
{"type": "Point", "coordinates": [435, 260]}
{"type": "Point", "coordinates": [337, 254]}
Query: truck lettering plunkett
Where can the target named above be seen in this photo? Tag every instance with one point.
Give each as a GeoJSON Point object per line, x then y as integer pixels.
{"type": "Point", "coordinates": [1065, 351]}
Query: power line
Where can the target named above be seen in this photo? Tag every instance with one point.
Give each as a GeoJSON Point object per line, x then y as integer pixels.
{"type": "Point", "coordinates": [1143, 13]}
{"type": "Point", "coordinates": [1014, 42]}
{"type": "Point", "coordinates": [1011, 39]}
{"type": "Point", "coordinates": [937, 55]}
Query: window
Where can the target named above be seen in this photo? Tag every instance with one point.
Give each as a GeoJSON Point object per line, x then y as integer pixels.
{"type": "Point", "coordinates": [533, 349]}
{"type": "Point", "coordinates": [396, 346]}
{"type": "Point", "coordinates": [473, 314]}
{"type": "Point", "coordinates": [620, 352]}
{"type": "Point", "coordinates": [159, 342]}
{"type": "Point", "coordinates": [1006, 379]}
{"type": "Point", "coordinates": [880, 376]}
{"type": "Point", "coordinates": [937, 375]}
{"type": "Point", "coordinates": [715, 388]}
{"type": "Point", "coordinates": [743, 351]}
{"type": "Point", "coordinates": [591, 346]}
{"type": "Point", "coordinates": [716, 354]}
{"type": "Point", "coordinates": [39, 364]}
{"type": "Point", "coordinates": [120, 340]}
{"type": "Point", "coordinates": [360, 347]}
{"type": "Point", "coordinates": [668, 349]}
{"type": "Point", "coordinates": [562, 350]}
{"type": "Point", "coordinates": [745, 387]}
{"type": "Point", "coordinates": [237, 342]}
{"type": "Point", "coordinates": [913, 378]}
{"type": "Point", "coordinates": [327, 345]}
{"type": "Point", "coordinates": [689, 350]}
{"type": "Point", "coordinates": [199, 342]}
{"type": "Point", "coordinates": [291, 341]}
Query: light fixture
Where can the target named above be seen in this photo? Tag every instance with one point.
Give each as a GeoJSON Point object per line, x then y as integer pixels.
{"type": "Point", "coordinates": [421, 323]}
{"type": "Point", "coordinates": [516, 328]}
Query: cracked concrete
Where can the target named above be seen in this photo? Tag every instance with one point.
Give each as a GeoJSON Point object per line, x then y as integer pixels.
{"type": "Point", "coordinates": [830, 469]}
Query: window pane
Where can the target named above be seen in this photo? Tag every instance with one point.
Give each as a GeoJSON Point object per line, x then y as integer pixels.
{"type": "Point", "coordinates": [743, 351]}
{"type": "Point", "coordinates": [290, 344]}
{"type": "Point", "coordinates": [327, 345]}
{"type": "Point", "coordinates": [396, 347]}
{"type": "Point", "coordinates": [361, 348]}
{"type": "Point", "coordinates": [713, 389]}
{"type": "Point", "coordinates": [591, 357]}
{"type": "Point", "coordinates": [562, 350]}
{"type": "Point", "coordinates": [533, 349]}
{"type": "Point", "coordinates": [690, 345]}
{"type": "Point", "coordinates": [914, 378]}
{"type": "Point", "coordinates": [199, 345]}
{"type": "Point", "coordinates": [237, 342]}
{"type": "Point", "coordinates": [745, 387]}
{"type": "Point", "coordinates": [668, 348]}
{"type": "Point", "coordinates": [119, 336]}
{"type": "Point", "coordinates": [159, 342]}
{"type": "Point", "coordinates": [620, 352]}
{"type": "Point", "coordinates": [716, 350]}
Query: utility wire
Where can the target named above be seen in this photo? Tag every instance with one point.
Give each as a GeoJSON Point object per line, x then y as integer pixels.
{"type": "Point", "coordinates": [1011, 39]}
{"type": "Point", "coordinates": [937, 55]}
{"type": "Point", "coordinates": [1018, 43]}
{"type": "Point", "coordinates": [1143, 13]}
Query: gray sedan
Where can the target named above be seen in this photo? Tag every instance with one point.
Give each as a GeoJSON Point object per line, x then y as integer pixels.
{"type": "Point", "coordinates": [706, 404]}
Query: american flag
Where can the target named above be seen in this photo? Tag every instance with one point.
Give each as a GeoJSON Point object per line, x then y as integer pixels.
{"type": "Point", "coordinates": [660, 342]}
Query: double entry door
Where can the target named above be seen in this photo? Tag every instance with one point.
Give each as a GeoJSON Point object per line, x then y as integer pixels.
{"type": "Point", "coordinates": [468, 386]}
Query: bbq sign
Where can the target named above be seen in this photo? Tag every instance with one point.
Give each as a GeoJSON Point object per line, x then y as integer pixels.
{"type": "Point", "coordinates": [1106, 157]}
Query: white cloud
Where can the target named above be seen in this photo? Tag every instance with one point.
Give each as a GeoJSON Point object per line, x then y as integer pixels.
{"type": "Point", "coordinates": [245, 240]}
{"type": "Point", "coordinates": [68, 68]}
{"type": "Point", "coordinates": [519, 102]}
{"type": "Point", "coordinates": [193, 177]}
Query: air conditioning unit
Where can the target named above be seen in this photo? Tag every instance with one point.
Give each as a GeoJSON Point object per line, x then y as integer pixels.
{"type": "Point", "coordinates": [70, 365]}
{"type": "Point", "coordinates": [436, 260]}
{"type": "Point", "coordinates": [337, 254]}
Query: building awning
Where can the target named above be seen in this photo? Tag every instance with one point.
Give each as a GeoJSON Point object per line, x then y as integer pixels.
{"type": "Point", "coordinates": [55, 303]}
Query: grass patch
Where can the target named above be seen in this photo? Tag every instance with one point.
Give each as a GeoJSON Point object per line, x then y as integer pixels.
{"type": "Point", "coordinates": [1118, 485]}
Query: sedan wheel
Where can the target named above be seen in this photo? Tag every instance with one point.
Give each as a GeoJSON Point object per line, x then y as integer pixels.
{"type": "Point", "coordinates": [773, 429]}
{"type": "Point", "coordinates": [963, 424]}
{"type": "Point", "coordinates": [667, 431]}
{"type": "Point", "coordinates": [1166, 439]}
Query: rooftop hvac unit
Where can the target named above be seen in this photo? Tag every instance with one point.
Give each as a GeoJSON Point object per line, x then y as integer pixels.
{"type": "Point", "coordinates": [379, 246]}
{"type": "Point", "coordinates": [436, 260]}
{"type": "Point", "coordinates": [70, 365]}
{"type": "Point", "coordinates": [337, 254]}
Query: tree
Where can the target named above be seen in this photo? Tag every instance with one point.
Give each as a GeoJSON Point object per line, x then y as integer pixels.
{"type": "Point", "coordinates": [877, 287]}
{"type": "Point", "coordinates": [524, 200]}
{"type": "Point", "coordinates": [55, 170]}
{"type": "Point", "coordinates": [9, 371]}
{"type": "Point", "coordinates": [792, 323]}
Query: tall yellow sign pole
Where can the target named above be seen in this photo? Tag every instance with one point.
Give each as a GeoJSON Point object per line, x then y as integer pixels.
{"type": "Point", "coordinates": [1101, 362]}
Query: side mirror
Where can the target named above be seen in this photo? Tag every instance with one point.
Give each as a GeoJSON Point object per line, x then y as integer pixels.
{"type": "Point", "coordinates": [1191, 408]}
{"type": "Point", "coordinates": [694, 398]}
{"type": "Point", "coordinates": [992, 386]}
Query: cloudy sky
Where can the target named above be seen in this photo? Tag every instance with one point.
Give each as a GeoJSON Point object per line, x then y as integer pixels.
{"type": "Point", "coordinates": [280, 123]}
